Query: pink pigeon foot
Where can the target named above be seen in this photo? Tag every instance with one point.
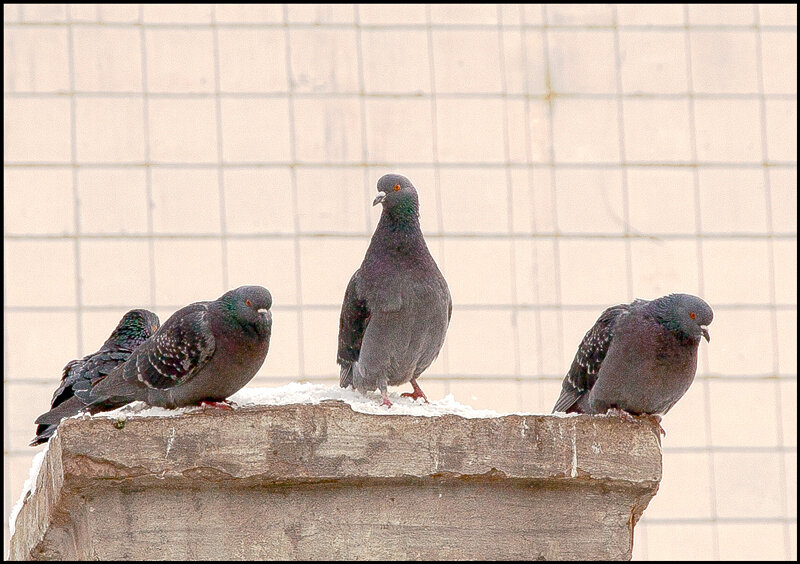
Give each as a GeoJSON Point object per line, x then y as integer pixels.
{"type": "Point", "coordinates": [224, 404]}
{"type": "Point", "coordinates": [417, 393]}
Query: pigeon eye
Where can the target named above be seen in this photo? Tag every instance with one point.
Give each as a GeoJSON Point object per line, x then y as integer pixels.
{"type": "Point", "coordinates": [396, 187]}
{"type": "Point", "coordinates": [693, 315]}
{"type": "Point", "coordinates": [248, 303]}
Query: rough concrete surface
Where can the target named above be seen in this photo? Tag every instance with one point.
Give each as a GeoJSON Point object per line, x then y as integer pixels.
{"type": "Point", "coordinates": [325, 482]}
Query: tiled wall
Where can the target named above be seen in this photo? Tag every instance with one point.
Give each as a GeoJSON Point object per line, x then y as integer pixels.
{"type": "Point", "coordinates": [567, 158]}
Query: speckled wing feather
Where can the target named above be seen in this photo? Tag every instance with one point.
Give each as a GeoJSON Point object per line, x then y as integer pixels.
{"type": "Point", "coordinates": [353, 322]}
{"type": "Point", "coordinates": [177, 352]}
{"type": "Point", "coordinates": [593, 348]}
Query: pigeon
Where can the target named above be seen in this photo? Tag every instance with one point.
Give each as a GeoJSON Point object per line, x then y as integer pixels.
{"type": "Point", "coordinates": [397, 305]}
{"type": "Point", "coordinates": [638, 358]}
{"type": "Point", "coordinates": [202, 354]}
{"type": "Point", "coordinates": [134, 328]}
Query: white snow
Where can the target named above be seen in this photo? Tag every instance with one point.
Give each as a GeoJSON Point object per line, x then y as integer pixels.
{"type": "Point", "coordinates": [29, 485]}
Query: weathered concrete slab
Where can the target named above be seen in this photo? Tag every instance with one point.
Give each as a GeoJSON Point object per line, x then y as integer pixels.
{"type": "Point", "coordinates": [325, 482]}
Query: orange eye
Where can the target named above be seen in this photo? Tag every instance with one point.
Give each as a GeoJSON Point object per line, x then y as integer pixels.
{"type": "Point", "coordinates": [396, 187]}
{"type": "Point", "coordinates": [249, 304]}
{"type": "Point", "coordinates": [692, 315]}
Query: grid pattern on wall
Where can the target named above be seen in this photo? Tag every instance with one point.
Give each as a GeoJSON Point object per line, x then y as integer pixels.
{"type": "Point", "coordinates": [567, 158]}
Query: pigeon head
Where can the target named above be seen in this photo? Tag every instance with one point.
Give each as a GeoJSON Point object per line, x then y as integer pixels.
{"type": "Point", "coordinates": [250, 305]}
{"type": "Point", "coordinates": [397, 195]}
{"type": "Point", "coordinates": [685, 314]}
{"type": "Point", "coordinates": [134, 328]}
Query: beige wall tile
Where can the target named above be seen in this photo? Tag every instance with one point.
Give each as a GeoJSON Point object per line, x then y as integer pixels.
{"type": "Point", "coordinates": [395, 61]}
{"type": "Point", "coordinates": [728, 130]}
{"type": "Point", "coordinates": [729, 400]}
{"type": "Point", "coordinates": [653, 61]}
{"type": "Point", "coordinates": [122, 209]}
{"type": "Point", "coordinates": [255, 130]}
{"type": "Point", "coordinates": [661, 267]}
{"type": "Point", "coordinates": [582, 61]}
{"type": "Point", "coordinates": [179, 60]}
{"type": "Point", "coordinates": [331, 200]}
{"type": "Point", "coordinates": [724, 61]}
{"type": "Point", "coordinates": [513, 71]}
{"type": "Point", "coordinates": [685, 423]}
{"type": "Point", "coordinates": [178, 13]}
{"type": "Point", "coordinates": [392, 13]}
{"type": "Point", "coordinates": [540, 134]}
{"type": "Point", "coordinates": [731, 350]}
{"type": "Point", "coordinates": [325, 129]}
{"type": "Point", "coordinates": [321, 13]}
{"type": "Point", "coordinates": [592, 272]}
{"type": "Point", "coordinates": [185, 200]}
{"type": "Point", "coordinates": [98, 69]}
{"type": "Point", "coordinates": [252, 60]}
{"type": "Point", "coordinates": [469, 130]}
{"type": "Point", "coordinates": [589, 201]}
{"type": "Point", "coordinates": [248, 13]}
{"type": "Point", "coordinates": [490, 351]}
{"type": "Point", "coordinates": [667, 191]}
{"type": "Point", "coordinates": [11, 13]}
{"type": "Point", "coordinates": [266, 262]}
{"type": "Point", "coordinates": [30, 398]}
{"type": "Point", "coordinates": [181, 278]}
{"type": "Point", "coordinates": [650, 14]}
{"type": "Point", "coordinates": [732, 200]}
{"type": "Point", "coordinates": [283, 360]}
{"type": "Point", "coordinates": [585, 130]}
{"type": "Point", "coordinates": [35, 59]}
{"type": "Point", "coordinates": [503, 397]}
{"type": "Point", "coordinates": [534, 67]}
{"type": "Point", "coordinates": [579, 14]}
{"type": "Point", "coordinates": [476, 69]}
{"type": "Point", "coordinates": [322, 329]}
{"type": "Point", "coordinates": [783, 198]}
{"type": "Point", "coordinates": [777, 14]}
{"type": "Point", "coordinates": [39, 273]}
{"type": "Point", "coordinates": [787, 341]}
{"type": "Point", "coordinates": [751, 541]}
{"type": "Point", "coordinates": [36, 130]}
{"type": "Point", "coordinates": [463, 13]}
{"type": "Point", "coordinates": [721, 14]}
{"type": "Point", "coordinates": [182, 130]}
{"type": "Point", "coordinates": [109, 130]}
{"type": "Point", "coordinates": [787, 390]}
{"type": "Point", "coordinates": [535, 269]}
{"type": "Point", "coordinates": [474, 200]}
{"type": "Point", "coordinates": [685, 488]}
{"type": "Point", "coordinates": [324, 60]}
{"type": "Point", "coordinates": [781, 130]}
{"type": "Point", "coordinates": [679, 541]}
{"type": "Point", "coordinates": [326, 265]}
{"type": "Point", "coordinates": [657, 130]}
{"type": "Point", "coordinates": [735, 271]}
{"type": "Point", "coordinates": [394, 131]}
{"type": "Point", "coordinates": [47, 209]}
{"type": "Point", "coordinates": [118, 13]}
{"type": "Point", "coordinates": [83, 12]}
{"type": "Point", "coordinates": [785, 252]}
{"type": "Point", "coordinates": [44, 12]}
{"type": "Point", "coordinates": [537, 203]}
{"type": "Point", "coordinates": [114, 272]}
{"type": "Point", "coordinates": [466, 265]}
{"type": "Point", "coordinates": [779, 60]}
{"type": "Point", "coordinates": [26, 331]}
{"type": "Point", "coordinates": [735, 474]}
{"type": "Point", "coordinates": [258, 200]}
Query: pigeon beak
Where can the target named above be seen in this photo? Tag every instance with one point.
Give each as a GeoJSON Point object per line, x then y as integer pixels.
{"type": "Point", "coordinates": [379, 198]}
{"type": "Point", "coordinates": [704, 331]}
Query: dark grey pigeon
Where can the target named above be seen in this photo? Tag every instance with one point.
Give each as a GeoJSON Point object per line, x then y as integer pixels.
{"type": "Point", "coordinates": [203, 353]}
{"type": "Point", "coordinates": [134, 328]}
{"type": "Point", "coordinates": [397, 305]}
{"type": "Point", "coordinates": [638, 358]}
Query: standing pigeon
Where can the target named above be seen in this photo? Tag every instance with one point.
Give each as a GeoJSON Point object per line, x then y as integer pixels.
{"type": "Point", "coordinates": [134, 328]}
{"type": "Point", "coordinates": [397, 305]}
{"type": "Point", "coordinates": [638, 358]}
{"type": "Point", "coordinates": [203, 353]}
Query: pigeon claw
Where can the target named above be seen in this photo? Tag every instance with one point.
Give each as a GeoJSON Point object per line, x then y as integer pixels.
{"type": "Point", "coordinates": [416, 394]}
{"type": "Point", "coordinates": [224, 404]}
{"type": "Point", "coordinates": [386, 402]}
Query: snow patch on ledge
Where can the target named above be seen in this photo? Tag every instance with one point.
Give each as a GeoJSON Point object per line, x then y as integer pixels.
{"type": "Point", "coordinates": [28, 486]}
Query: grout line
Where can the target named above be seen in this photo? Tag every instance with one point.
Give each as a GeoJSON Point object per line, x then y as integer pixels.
{"type": "Point", "coordinates": [363, 111]}
{"type": "Point", "coordinates": [151, 246]}
{"type": "Point", "coordinates": [220, 153]}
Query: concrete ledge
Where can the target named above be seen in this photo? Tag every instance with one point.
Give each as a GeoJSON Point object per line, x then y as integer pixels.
{"type": "Point", "coordinates": [322, 481]}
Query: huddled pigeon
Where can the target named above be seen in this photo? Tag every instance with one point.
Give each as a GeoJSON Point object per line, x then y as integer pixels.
{"type": "Point", "coordinates": [397, 305]}
{"type": "Point", "coordinates": [638, 358]}
{"type": "Point", "coordinates": [134, 328]}
{"type": "Point", "coordinates": [202, 354]}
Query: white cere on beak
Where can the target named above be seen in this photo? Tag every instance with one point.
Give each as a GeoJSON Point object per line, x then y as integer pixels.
{"type": "Point", "coordinates": [263, 311]}
{"type": "Point", "coordinates": [379, 198]}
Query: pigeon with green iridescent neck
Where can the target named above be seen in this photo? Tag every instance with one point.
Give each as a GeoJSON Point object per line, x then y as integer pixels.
{"type": "Point", "coordinates": [134, 328]}
{"type": "Point", "coordinates": [638, 358]}
{"type": "Point", "coordinates": [202, 354]}
{"type": "Point", "coordinates": [397, 306]}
